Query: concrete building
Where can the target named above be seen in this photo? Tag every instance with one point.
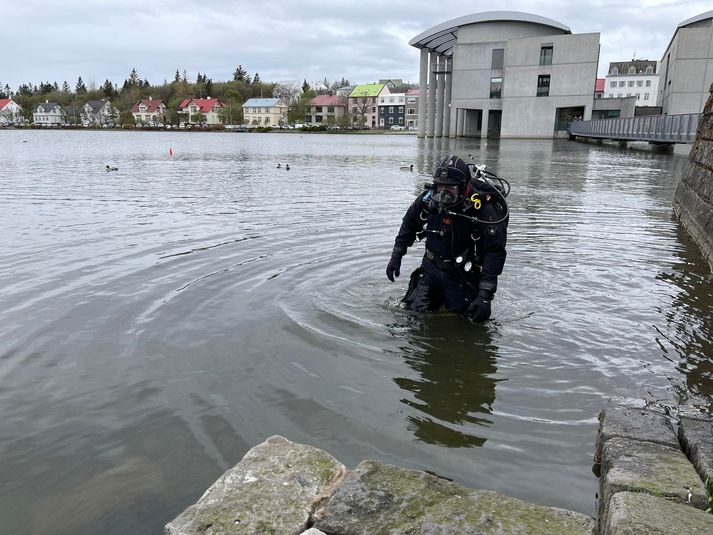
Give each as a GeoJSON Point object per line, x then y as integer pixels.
{"type": "Point", "coordinates": [392, 110]}
{"type": "Point", "coordinates": [504, 74]}
{"type": "Point", "coordinates": [264, 112]}
{"type": "Point", "coordinates": [636, 78]}
{"type": "Point", "coordinates": [686, 69]}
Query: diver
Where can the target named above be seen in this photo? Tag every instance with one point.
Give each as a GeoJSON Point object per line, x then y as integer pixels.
{"type": "Point", "coordinates": [463, 217]}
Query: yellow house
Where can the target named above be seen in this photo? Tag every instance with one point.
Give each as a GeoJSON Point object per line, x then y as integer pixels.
{"type": "Point", "coordinates": [264, 112]}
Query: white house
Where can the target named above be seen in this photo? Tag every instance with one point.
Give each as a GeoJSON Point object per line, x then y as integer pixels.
{"type": "Point", "coordinates": [264, 111]}
{"type": "Point", "coordinates": [99, 113]}
{"type": "Point", "coordinates": [636, 78]}
{"type": "Point", "coordinates": [10, 111]}
{"type": "Point", "coordinates": [48, 114]}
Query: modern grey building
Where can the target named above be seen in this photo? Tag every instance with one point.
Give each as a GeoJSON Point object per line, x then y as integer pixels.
{"type": "Point", "coordinates": [504, 74]}
{"type": "Point", "coordinates": [686, 69]}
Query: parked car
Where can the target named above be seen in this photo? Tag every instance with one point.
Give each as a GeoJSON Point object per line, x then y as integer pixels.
{"type": "Point", "coordinates": [397, 127]}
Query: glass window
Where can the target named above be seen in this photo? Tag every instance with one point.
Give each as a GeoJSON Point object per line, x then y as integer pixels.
{"type": "Point", "coordinates": [612, 84]}
{"type": "Point", "coordinates": [649, 70]}
{"type": "Point", "coordinates": [639, 83]}
{"type": "Point", "coordinates": [543, 85]}
{"type": "Point", "coordinates": [330, 109]}
{"type": "Point", "coordinates": [546, 55]}
{"type": "Point", "coordinates": [401, 120]}
{"type": "Point", "coordinates": [401, 109]}
{"type": "Point", "coordinates": [618, 95]}
{"type": "Point", "coordinates": [631, 83]}
{"type": "Point", "coordinates": [498, 58]}
{"type": "Point", "coordinates": [391, 120]}
{"type": "Point", "coordinates": [646, 96]}
{"type": "Point", "coordinates": [319, 109]}
{"type": "Point", "coordinates": [391, 109]}
{"type": "Point", "coordinates": [411, 100]}
{"type": "Point", "coordinates": [622, 84]}
{"type": "Point", "coordinates": [615, 70]}
{"type": "Point", "coordinates": [496, 87]}
{"type": "Point", "coordinates": [648, 83]}
{"type": "Point", "coordinates": [638, 96]}
{"type": "Point", "coordinates": [632, 70]}
{"type": "Point", "coordinates": [411, 111]}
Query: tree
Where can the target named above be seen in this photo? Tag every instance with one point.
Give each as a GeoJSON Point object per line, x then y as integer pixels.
{"type": "Point", "coordinates": [108, 89]}
{"type": "Point", "coordinates": [234, 100]}
{"type": "Point", "coordinates": [256, 79]}
{"type": "Point", "coordinates": [178, 77]}
{"type": "Point", "coordinates": [80, 88]}
{"type": "Point", "coordinates": [209, 87]}
{"type": "Point", "coordinates": [239, 74]}
{"type": "Point", "coordinates": [305, 86]}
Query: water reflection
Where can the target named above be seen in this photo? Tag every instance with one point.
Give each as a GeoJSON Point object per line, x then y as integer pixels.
{"type": "Point", "coordinates": [454, 389]}
{"type": "Point", "coordinates": [690, 317]}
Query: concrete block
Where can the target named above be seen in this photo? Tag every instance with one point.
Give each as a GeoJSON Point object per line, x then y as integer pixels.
{"type": "Point", "coordinates": [633, 513]}
{"type": "Point", "coordinates": [274, 489]}
{"type": "Point", "coordinates": [638, 424]}
{"type": "Point", "coordinates": [697, 438]}
{"type": "Point", "coordinates": [379, 498]}
{"type": "Point", "coordinates": [635, 466]}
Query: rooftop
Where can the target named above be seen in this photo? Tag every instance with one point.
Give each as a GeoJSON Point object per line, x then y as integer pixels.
{"type": "Point", "coordinates": [442, 37]}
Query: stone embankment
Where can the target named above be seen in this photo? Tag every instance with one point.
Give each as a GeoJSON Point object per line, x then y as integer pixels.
{"type": "Point", "coordinates": [653, 467]}
{"type": "Point", "coordinates": [693, 202]}
{"type": "Point", "coordinates": [281, 487]}
{"type": "Point", "coordinates": [652, 472]}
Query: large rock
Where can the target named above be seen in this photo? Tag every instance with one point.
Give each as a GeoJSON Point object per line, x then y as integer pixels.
{"type": "Point", "coordinates": [630, 465]}
{"type": "Point", "coordinates": [697, 439]}
{"type": "Point", "coordinates": [376, 498]}
{"type": "Point", "coordinates": [634, 513]}
{"type": "Point", "coordinates": [274, 489]}
{"type": "Point", "coordinates": [637, 424]}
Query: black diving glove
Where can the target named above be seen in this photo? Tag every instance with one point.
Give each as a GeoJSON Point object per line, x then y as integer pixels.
{"type": "Point", "coordinates": [393, 269]}
{"type": "Point", "coordinates": [479, 308]}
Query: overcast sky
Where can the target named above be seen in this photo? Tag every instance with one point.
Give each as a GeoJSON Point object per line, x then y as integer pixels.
{"type": "Point", "coordinates": [285, 40]}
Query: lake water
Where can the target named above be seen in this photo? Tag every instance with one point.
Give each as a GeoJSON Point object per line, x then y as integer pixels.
{"type": "Point", "coordinates": [158, 321]}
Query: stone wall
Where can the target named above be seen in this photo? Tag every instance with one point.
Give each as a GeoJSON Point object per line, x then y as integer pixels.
{"type": "Point", "coordinates": [693, 202]}
{"type": "Point", "coordinates": [653, 468]}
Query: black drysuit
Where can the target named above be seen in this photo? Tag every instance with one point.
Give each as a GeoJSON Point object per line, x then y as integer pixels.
{"type": "Point", "coordinates": [441, 280]}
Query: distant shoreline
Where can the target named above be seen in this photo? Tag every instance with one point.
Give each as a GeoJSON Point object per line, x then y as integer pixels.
{"type": "Point", "coordinates": [218, 130]}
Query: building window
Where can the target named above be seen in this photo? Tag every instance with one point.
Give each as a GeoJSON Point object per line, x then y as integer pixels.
{"type": "Point", "coordinates": [648, 83]}
{"type": "Point", "coordinates": [543, 85]}
{"type": "Point", "coordinates": [373, 109]}
{"type": "Point", "coordinates": [411, 111]}
{"type": "Point", "coordinates": [546, 55]}
{"type": "Point", "coordinates": [638, 96]}
{"type": "Point", "coordinates": [622, 84]}
{"type": "Point", "coordinates": [391, 120]}
{"type": "Point", "coordinates": [391, 109]}
{"type": "Point", "coordinates": [411, 100]}
{"type": "Point", "coordinates": [612, 84]}
{"type": "Point", "coordinates": [498, 58]}
{"type": "Point", "coordinates": [649, 70]}
{"type": "Point", "coordinates": [401, 109]}
{"type": "Point", "coordinates": [330, 109]}
{"type": "Point", "coordinates": [401, 120]}
{"type": "Point", "coordinates": [646, 96]}
{"type": "Point", "coordinates": [319, 109]}
{"type": "Point", "coordinates": [639, 83]}
{"type": "Point", "coordinates": [618, 95]}
{"type": "Point", "coordinates": [615, 71]}
{"type": "Point", "coordinates": [631, 83]}
{"type": "Point", "coordinates": [496, 87]}
{"type": "Point", "coordinates": [632, 70]}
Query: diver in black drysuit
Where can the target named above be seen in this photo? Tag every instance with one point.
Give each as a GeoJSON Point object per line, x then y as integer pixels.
{"type": "Point", "coordinates": [464, 221]}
